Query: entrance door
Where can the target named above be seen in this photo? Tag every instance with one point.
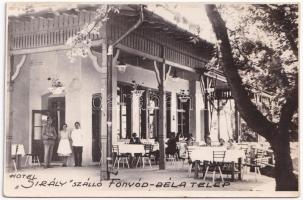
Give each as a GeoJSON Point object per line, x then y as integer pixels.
{"type": "Point", "coordinates": [39, 118]}
{"type": "Point", "coordinates": [96, 118]}
{"type": "Point", "coordinates": [56, 108]}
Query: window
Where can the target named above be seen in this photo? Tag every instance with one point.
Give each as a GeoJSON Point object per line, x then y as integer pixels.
{"type": "Point", "coordinates": [122, 114]}
{"type": "Point", "coordinates": [183, 117]}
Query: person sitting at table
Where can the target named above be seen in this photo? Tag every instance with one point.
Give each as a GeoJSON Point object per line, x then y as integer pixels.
{"type": "Point", "coordinates": [208, 141]}
{"type": "Point", "coordinates": [181, 137]}
{"type": "Point", "coordinates": [171, 148]}
{"type": "Point", "coordinates": [222, 142]}
{"type": "Point", "coordinates": [190, 139]}
{"type": "Point", "coordinates": [156, 153]}
{"type": "Point", "coordinates": [134, 139]}
{"type": "Point", "coordinates": [231, 144]}
{"type": "Point", "coordinates": [178, 136]}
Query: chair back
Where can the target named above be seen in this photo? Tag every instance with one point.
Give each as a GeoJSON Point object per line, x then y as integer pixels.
{"type": "Point", "coordinates": [148, 148]}
{"type": "Point", "coordinates": [116, 149]}
{"type": "Point", "coordinates": [183, 151]}
{"type": "Point", "coordinates": [189, 150]}
{"type": "Point", "coordinates": [245, 149]}
{"type": "Point", "coordinates": [260, 153]}
{"type": "Point", "coordinates": [218, 156]}
{"type": "Point", "coordinates": [144, 141]}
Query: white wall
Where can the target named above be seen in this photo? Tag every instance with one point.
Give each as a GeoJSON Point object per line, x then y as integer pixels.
{"type": "Point", "coordinates": [81, 81]}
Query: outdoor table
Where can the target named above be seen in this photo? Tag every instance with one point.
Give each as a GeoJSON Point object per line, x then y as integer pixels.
{"type": "Point", "coordinates": [156, 147]}
{"type": "Point", "coordinates": [131, 148]}
{"type": "Point", "coordinates": [200, 154]}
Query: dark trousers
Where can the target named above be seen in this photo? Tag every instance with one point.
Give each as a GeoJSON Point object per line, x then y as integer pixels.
{"type": "Point", "coordinates": [78, 155]}
{"type": "Point", "coordinates": [48, 151]}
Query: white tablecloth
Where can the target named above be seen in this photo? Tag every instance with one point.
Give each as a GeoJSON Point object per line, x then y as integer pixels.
{"type": "Point", "coordinates": [131, 148]}
{"type": "Point", "coordinates": [18, 149]}
{"type": "Point", "coordinates": [206, 154]}
{"type": "Point", "coordinates": [156, 147]}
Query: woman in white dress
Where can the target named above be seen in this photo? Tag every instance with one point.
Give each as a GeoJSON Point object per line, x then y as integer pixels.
{"type": "Point", "coordinates": [64, 148]}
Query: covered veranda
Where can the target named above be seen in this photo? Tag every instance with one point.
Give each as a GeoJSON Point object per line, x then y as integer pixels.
{"type": "Point", "coordinates": [152, 81]}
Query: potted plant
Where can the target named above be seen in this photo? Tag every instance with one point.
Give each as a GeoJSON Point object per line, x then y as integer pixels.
{"type": "Point", "coordinates": [56, 86]}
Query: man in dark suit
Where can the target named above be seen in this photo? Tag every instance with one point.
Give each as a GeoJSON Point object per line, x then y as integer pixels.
{"type": "Point", "coordinates": [171, 148]}
{"type": "Point", "coordinates": [134, 139]}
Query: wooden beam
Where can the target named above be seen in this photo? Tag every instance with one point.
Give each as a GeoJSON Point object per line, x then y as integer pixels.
{"type": "Point", "coordinates": [162, 117]}
{"type": "Point", "coordinates": [216, 76]}
{"type": "Point", "coordinates": [104, 175]}
{"type": "Point", "coordinates": [180, 66]}
{"type": "Point", "coordinates": [46, 49]}
{"type": "Point", "coordinates": [154, 58]}
{"type": "Point", "coordinates": [206, 110]}
{"type": "Point", "coordinates": [138, 53]}
{"type": "Point", "coordinates": [109, 106]}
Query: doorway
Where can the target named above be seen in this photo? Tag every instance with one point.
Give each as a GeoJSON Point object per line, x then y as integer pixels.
{"type": "Point", "coordinates": [56, 110]}
{"type": "Point", "coordinates": [39, 118]}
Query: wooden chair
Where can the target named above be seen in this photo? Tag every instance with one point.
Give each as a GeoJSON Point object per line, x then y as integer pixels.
{"type": "Point", "coordinates": [257, 162]}
{"type": "Point", "coordinates": [14, 159]}
{"type": "Point", "coordinates": [218, 161]}
{"type": "Point", "coordinates": [147, 156]}
{"type": "Point", "coordinates": [35, 159]}
{"type": "Point", "coordinates": [244, 147]}
{"type": "Point", "coordinates": [189, 150]}
{"type": "Point", "coordinates": [172, 158]}
{"type": "Point", "coordinates": [119, 157]}
{"type": "Point", "coordinates": [260, 153]}
{"type": "Point", "coordinates": [183, 154]}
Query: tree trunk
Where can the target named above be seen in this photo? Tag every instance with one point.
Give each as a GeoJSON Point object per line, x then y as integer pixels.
{"type": "Point", "coordinates": [249, 112]}
{"type": "Point", "coordinates": [285, 178]}
{"type": "Point", "coordinates": [278, 136]}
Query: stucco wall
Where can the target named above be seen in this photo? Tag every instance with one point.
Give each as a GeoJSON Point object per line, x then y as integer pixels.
{"type": "Point", "coordinates": [20, 106]}
{"type": "Point", "coordinates": [81, 81]}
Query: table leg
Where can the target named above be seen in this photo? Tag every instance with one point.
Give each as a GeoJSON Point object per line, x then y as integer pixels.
{"type": "Point", "coordinates": [196, 176]}
{"type": "Point", "coordinates": [131, 161]}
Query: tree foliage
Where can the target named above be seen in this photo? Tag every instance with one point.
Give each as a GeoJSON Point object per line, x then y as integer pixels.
{"type": "Point", "coordinates": [80, 43]}
{"type": "Point", "coordinates": [277, 133]}
{"type": "Point", "coordinates": [262, 50]}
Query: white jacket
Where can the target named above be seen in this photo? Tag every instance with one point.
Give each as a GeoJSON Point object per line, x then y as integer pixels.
{"type": "Point", "coordinates": [77, 137]}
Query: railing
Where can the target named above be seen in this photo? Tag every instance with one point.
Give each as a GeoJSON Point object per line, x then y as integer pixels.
{"type": "Point", "coordinates": [41, 32]}
{"type": "Point", "coordinates": [45, 32]}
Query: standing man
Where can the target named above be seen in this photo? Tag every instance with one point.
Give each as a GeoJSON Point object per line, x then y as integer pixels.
{"type": "Point", "coordinates": [49, 136]}
{"type": "Point", "coordinates": [77, 137]}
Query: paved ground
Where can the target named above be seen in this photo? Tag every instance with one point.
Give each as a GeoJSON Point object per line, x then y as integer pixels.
{"type": "Point", "coordinates": [85, 181]}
